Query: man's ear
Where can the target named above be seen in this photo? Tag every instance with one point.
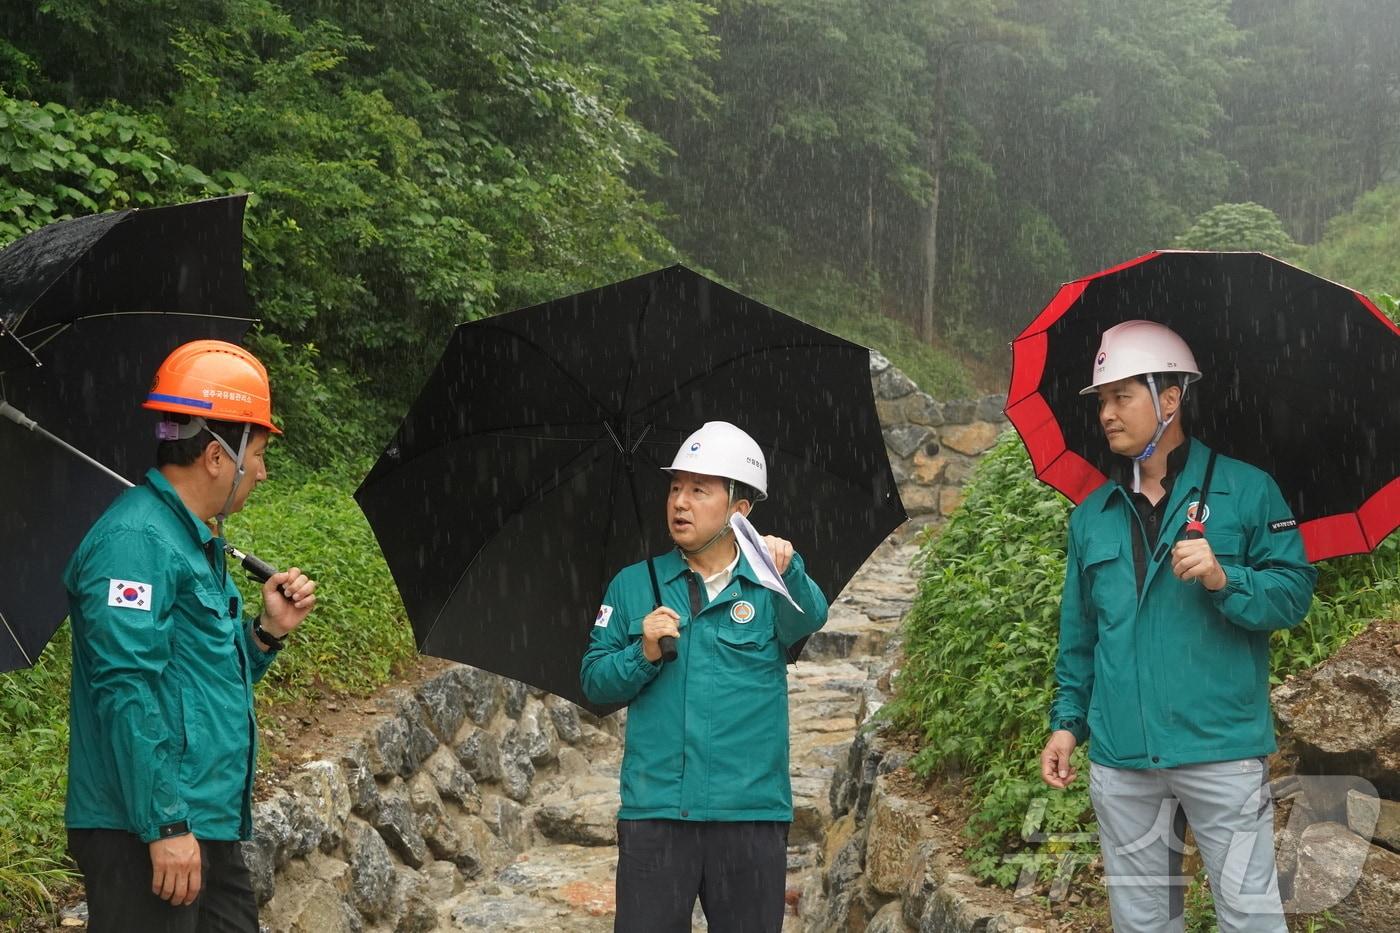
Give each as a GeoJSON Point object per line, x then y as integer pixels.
{"type": "Point", "coordinates": [743, 507]}
{"type": "Point", "coordinates": [213, 457]}
{"type": "Point", "coordinates": [1171, 400]}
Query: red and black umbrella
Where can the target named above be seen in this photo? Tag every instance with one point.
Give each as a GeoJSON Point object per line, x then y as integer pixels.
{"type": "Point", "coordinates": [1300, 378]}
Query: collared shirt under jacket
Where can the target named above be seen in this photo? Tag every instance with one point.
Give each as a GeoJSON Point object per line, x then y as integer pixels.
{"type": "Point", "coordinates": [162, 726]}
{"type": "Point", "coordinates": [707, 733]}
{"type": "Point", "coordinates": [1171, 673]}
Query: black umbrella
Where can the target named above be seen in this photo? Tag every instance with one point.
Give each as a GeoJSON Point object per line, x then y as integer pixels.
{"type": "Point", "coordinates": [504, 504]}
{"type": "Point", "coordinates": [1300, 379]}
{"type": "Point", "coordinates": [88, 310]}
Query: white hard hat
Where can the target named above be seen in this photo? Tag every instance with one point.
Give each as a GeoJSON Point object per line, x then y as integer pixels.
{"type": "Point", "coordinates": [1136, 348]}
{"type": "Point", "coordinates": [721, 449]}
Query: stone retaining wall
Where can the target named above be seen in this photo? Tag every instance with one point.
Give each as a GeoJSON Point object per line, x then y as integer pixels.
{"type": "Point", "coordinates": [452, 780]}
{"type": "Point", "coordinates": [377, 834]}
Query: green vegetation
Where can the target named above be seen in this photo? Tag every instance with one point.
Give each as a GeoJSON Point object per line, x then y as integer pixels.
{"type": "Point", "coordinates": [981, 645]}
{"type": "Point", "coordinates": [915, 175]}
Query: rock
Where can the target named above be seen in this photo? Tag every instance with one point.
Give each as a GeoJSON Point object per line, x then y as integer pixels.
{"type": "Point", "coordinates": [991, 408]}
{"type": "Point", "coordinates": [889, 411]}
{"type": "Point", "coordinates": [588, 821]}
{"type": "Point", "coordinates": [503, 816]}
{"type": "Point", "coordinates": [1341, 873]}
{"type": "Point", "coordinates": [372, 877]}
{"type": "Point", "coordinates": [444, 881]}
{"type": "Point", "coordinates": [925, 876]}
{"type": "Point", "coordinates": [920, 408]}
{"type": "Point", "coordinates": [416, 911]}
{"type": "Point", "coordinates": [950, 909]}
{"type": "Point", "coordinates": [517, 770]}
{"type": "Point", "coordinates": [481, 694]}
{"type": "Point", "coordinates": [904, 439]}
{"type": "Point", "coordinates": [396, 823]}
{"type": "Point", "coordinates": [572, 762]}
{"type": "Point", "coordinates": [480, 753]}
{"type": "Point", "coordinates": [960, 411]}
{"type": "Point", "coordinates": [564, 716]}
{"type": "Point", "coordinates": [1011, 922]}
{"type": "Point", "coordinates": [320, 908]}
{"type": "Point", "coordinates": [516, 694]}
{"type": "Point", "coordinates": [322, 784]}
{"type": "Point", "coordinates": [971, 439]}
{"type": "Point", "coordinates": [896, 828]}
{"type": "Point", "coordinates": [434, 825]}
{"type": "Point", "coordinates": [891, 383]}
{"type": "Point", "coordinates": [536, 734]}
{"type": "Point", "coordinates": [444, 702]}
{"type": "Point", "coordinates": [878, 363]}
{"type": "Point", "coordinates": [959, 471]}
{"type": "Point", "coordinates": [262, 868]}
{"type": "Point", "coordinates": [888, 919]}
{"type": "Point", "coordinates": [1375, 819]}
{"type": "Point", "coordinates": [920, 500]}
{"type": "Point", "coordinates": [852, 792]}
{"type": "Point", "coordinates": [359, 779]}
{"type": "Point", "coordinates": [388, 746]}
{"type": "Point", "coordinates": [1339, 716]}
{"type": "Point", "coordinates": [928, 470]}
{"type": "Point", "coordinates": [272, 831]}
{"type": "Point", "coordinates": [950, 498]}
{"type": "Point", "coordinates": [420, 741]}
{"type": "Point", "coordinates": [482, 850]}
{"type": "Point", "coordinates": [451, 780]}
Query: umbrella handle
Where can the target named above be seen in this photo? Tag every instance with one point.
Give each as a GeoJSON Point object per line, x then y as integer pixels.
{"type": "Point", "coordinates": [1195, 530]}
{"type": "Point", "coordinates": [257, 568]}
{"type": "Point", "coordinates": [668, 647]}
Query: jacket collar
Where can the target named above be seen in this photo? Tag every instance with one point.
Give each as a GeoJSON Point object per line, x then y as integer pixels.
{"type": "Point", "coordinates": [671, 565]}
{"type": "Point", "coordinates": [160, 487]}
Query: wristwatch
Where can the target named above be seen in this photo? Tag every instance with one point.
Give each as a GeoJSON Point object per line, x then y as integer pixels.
{"type": "Point", "coordinates": [272, 642]}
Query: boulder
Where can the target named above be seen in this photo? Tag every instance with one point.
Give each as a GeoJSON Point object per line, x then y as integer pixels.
{"type": "Point", "coordinates": [1340, 717]}
{"type": "Point", "coordinates": [372, 877]}
{"type": "Point", "coordinates": [897, 826]}
{"type": "Point", "coordinates": [1344, 875]}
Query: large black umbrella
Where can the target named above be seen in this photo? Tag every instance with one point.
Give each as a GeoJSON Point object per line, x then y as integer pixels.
{"type": "Point", "coordinates": [504, 504]}
{"type": "Point", "coordinates": [88, 309]}
{"type": "Point", "coordinates": [1300, 379]}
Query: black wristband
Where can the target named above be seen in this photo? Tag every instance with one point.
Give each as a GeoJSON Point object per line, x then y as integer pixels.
{"type": "Point", "coordinates": [272, 642]}
{"type": "Point", "coordinates": [179, 828]}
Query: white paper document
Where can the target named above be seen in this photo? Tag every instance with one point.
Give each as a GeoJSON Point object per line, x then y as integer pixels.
{"type": "Point", "coordinates": [751, 543]}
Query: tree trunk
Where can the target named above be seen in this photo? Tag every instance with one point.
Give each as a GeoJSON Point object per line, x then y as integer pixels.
{"type": "Point", "coordinates": [935, 169]}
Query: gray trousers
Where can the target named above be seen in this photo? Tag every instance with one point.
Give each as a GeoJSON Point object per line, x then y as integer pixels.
{"type": "Point", "coordinates": [1142, 816]}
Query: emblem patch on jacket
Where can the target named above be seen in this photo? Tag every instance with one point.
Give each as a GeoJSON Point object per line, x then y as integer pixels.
{"type": "Point", "coordinates": [1195, 507]}
{"type": "Point", "coordinates": [129, 595]}
{"type": "Point", "coordinates": [742, 611]}
{"type": "Point", "coordinates": [604, 614]}
{"type": "Point", "coordinates": [1283, 524]}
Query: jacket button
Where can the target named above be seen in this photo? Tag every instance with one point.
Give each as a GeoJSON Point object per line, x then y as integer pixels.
{"type": "Point", "coordinates": [685, 813]}
{"type": "Point", "coordinates": [1155, 759]}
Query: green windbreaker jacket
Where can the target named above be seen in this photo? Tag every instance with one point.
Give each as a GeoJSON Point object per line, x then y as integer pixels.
{"type": "Point", "coordinates": [162, 725]}
{"type": "Point", "coordinates": [707, 734]}
{"type": "Point", "coordinates": [1176, 674]}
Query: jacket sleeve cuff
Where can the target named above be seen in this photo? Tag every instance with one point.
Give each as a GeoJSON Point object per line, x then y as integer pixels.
{"type": "Point", "coordinates": [642, 669]}
{"type": "Point", "coordinates": [1234, 583]}
{"type": "Point", "coordinates": [1074, 726]}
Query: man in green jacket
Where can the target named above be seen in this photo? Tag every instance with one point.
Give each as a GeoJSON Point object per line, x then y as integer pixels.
{"type": "Point", "coordinates": [706, 793]}
{"type": "Point", "coordinates": [1164, 648]}
{"type": "Point", "coordinates": [163, 741]}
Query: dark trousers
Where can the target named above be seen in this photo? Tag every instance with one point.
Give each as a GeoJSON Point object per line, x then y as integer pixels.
{"type": "Point", "coordinates": [116, 869]}
{"type": "Point", "coordinates": [738, 870]}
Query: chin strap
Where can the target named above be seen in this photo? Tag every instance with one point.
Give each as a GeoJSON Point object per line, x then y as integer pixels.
{"type": "Point", "coordinates": [1162, 425]}
{"type": "Point", "coordinates": [172, 431]}
{"type": "Point", "coordinates": [718, 535]}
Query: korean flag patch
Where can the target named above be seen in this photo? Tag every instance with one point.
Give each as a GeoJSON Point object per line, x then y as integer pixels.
{"type": "Point", "coordinates": [604, 614]}
{"type": "Point", "coordinates": [129, 595]}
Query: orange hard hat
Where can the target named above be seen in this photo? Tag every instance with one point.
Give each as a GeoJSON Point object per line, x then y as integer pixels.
{"type": "Point", "coordinates": [216, 380]}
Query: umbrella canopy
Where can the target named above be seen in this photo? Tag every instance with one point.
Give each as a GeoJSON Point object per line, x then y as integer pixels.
{"type": "Point", "coordinates": [88, 309]}
{"type": "Point", "coordinates": [504, 504]}
{"type": "Point", "coordinates": [1299, 380]}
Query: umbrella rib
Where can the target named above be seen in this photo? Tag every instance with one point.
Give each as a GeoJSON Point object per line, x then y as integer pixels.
{"type": "Point", "coordinates": [578, 383]}
{"type": "Point", "coordinates": [533, 497]}
{"type": "Point", "coordinates": [6, 622]}
{"type": "Point", "coordinates": [749, 354]}
{"type": "Point", "coordinates": [58, 329]}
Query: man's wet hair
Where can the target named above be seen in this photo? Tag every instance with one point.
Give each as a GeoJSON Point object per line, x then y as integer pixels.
{"type": "Point", "coordinates": [187, 451]}
{"type": "Point", "coordinates": [745, 491]}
